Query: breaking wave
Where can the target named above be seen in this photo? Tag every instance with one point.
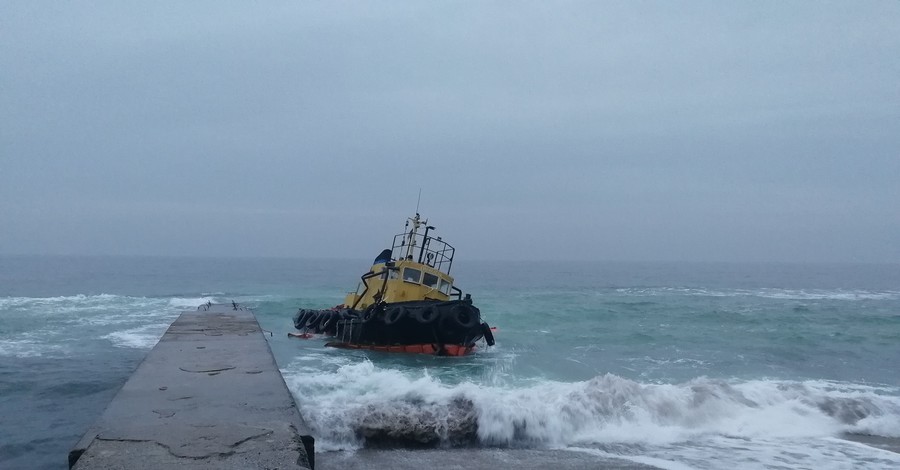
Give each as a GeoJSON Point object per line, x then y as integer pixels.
{"type": "Point", "coordinates": [361, 405]}
{"type": "Point", "coordinates": [768, 293]}
{"type": "Point", "coordinates": [100, 302]}
{"type": "Point", "coordinates": [58, 326]}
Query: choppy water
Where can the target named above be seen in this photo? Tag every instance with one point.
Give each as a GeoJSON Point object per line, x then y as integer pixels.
{"type": "Point", "coordinates": [678, 365]}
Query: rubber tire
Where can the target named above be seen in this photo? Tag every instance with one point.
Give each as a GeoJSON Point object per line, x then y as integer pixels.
{"type": "Point", "coordinates": [371, 313]}
{"type": "Point", "coordinates": [300, 319]}
{"type": "Point", "coordinates": [459, 312]}
{"type": "Point", "coordinates": [313, 320]}
{"type": "Point", "coordinates": [326, 320]}
{"type": "Point", "coordinates": [394, 315]}
{"type": "Point", "coordinates": [488, 334]}
{"type": "Point", "coordinates": [428, 315]}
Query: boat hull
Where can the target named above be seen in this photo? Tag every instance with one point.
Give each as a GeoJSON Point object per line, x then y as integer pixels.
{"type": "Point", "coordinates": [425, 327]}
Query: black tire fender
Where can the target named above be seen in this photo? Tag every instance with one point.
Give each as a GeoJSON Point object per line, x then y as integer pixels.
{"type": "Point", "coordinates": [300, 318]}
{"type": "Point", "coordinates": [313, 320]}
{"type": "Point", "coordinates": [427, 315]}
{"type": "Point", "coordinates": [488, 334]}
{"type": "Point", "coordinates": [463, 317]}
{"type": "Point", "coordinates": [327, 320]}
{"type": "Point", "coordinates": [394, 315]}
{"type": "Point", "coordinates": [371, 313]}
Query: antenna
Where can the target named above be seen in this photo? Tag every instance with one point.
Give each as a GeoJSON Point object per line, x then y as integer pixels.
{"type": "Point", "coordinates": [418, 200]}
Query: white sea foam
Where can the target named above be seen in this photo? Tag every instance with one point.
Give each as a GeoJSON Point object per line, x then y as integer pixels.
{"type": "Point", "coordinates": [664, 464]}
{"type": "Point", "coordinates": [30, 347]}
{"type": "Point", "coordinates": [604, 411]}
{"type": "Point", "coordinates": [81, 302]}
{"type": "Point", "coordinates": [191, 302]}
{"type": "Point", "coordinates": [143, 337]}
{"type": "Point", "coordinates": [769, 293]}
{"type": "Point", "coordinates": [715, 452]}
{"type": "Point", "coordinates": [817, 294]}
{"type": "Point", "coordinates": [55, 326]}
{"type": "Point", "coordinates": [885, 426]}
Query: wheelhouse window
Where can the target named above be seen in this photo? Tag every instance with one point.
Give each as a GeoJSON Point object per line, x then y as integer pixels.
{"type": "Point", "coordinates": [412, 275]}
{"type": "Point", "coordinates": [445, 286]}
{"type": "Point", "coordinates": [430, 280]}
{"type": "Point", "coordinates": [393, 274]}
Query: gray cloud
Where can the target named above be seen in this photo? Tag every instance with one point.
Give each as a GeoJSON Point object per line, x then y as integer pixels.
{"type": "Point", "coordinates": [633, 130]}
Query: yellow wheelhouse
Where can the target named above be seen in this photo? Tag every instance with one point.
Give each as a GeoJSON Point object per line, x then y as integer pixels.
{"type": "Point", "coordinates": [417, 267]}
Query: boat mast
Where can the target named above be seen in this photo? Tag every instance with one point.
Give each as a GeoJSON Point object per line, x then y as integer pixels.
{"type": "Point", "coordinates": [411, 236]}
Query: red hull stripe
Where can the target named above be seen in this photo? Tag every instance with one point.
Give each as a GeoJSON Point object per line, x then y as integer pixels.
{"type": "Point", "coordinates": [433, 349]}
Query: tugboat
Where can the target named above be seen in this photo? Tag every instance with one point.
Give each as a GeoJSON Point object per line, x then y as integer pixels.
{"type": "Point", "coordinates": [405, 303]}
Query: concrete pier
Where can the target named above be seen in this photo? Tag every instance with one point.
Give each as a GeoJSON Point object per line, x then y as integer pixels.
{"type": "Point", "coordinates": [209, 395]}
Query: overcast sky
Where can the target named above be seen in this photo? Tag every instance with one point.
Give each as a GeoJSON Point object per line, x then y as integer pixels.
{"type": "Point", "coordinates": [708, 131]}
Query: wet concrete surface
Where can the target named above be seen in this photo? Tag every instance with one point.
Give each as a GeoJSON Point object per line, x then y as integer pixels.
{"type": "Point", "coordinates": [209, 395]}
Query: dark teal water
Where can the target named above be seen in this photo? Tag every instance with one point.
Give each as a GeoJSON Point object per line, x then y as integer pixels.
{"type": "Point", "coordinates": [679, 365]}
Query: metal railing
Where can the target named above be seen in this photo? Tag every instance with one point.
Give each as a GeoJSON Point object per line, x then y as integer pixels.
{"type": "Point", "coordinates": [424, 249]}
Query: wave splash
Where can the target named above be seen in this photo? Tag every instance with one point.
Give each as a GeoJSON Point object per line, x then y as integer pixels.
{"type": "Point", "coordinates": [361, 405]}
{"type": "Point", "coordinates": [62, 325]}
{"type": "Point", "coordinates": [768, 293]}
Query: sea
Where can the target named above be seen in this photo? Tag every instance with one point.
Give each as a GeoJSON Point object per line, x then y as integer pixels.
{"type": "Point", "coordinates": [672, 365]}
